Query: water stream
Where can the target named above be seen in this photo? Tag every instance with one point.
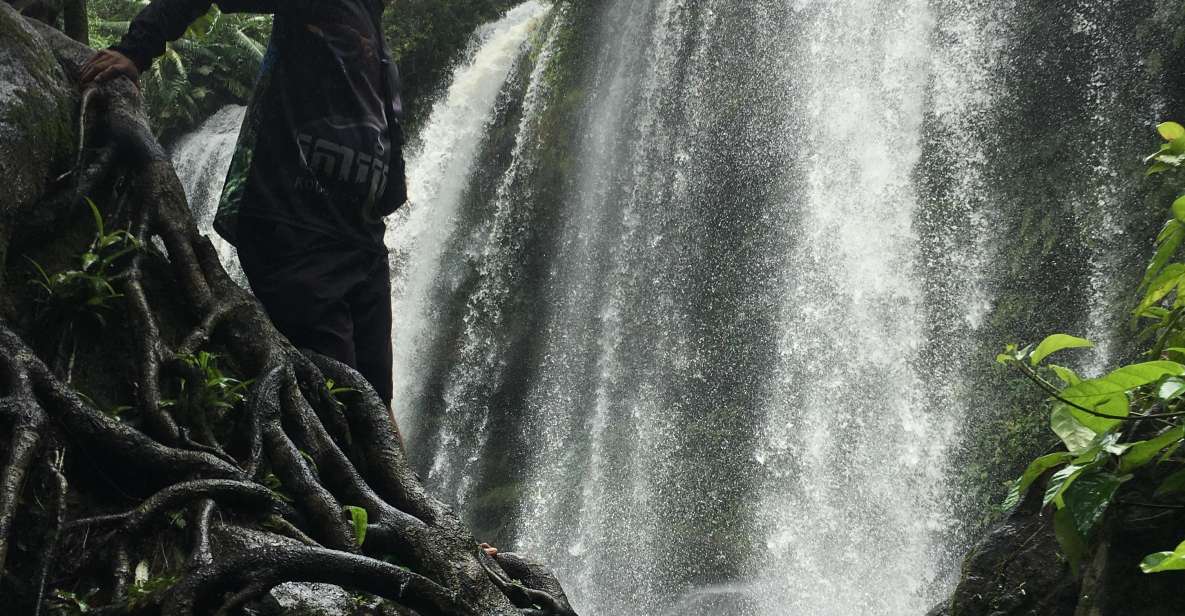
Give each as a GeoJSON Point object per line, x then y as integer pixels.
{"type": "Point", "coordinates": [693, 296]}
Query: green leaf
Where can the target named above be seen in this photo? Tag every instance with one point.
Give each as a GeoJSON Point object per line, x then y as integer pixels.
{"type": "Point", "coordinates": [1108, 395]}
{"type": "Point", "coordinates": [98, 216]}
{"type": "Point", "coordinates": [359, 517]}
{"type": "Point", "coordinates": [1107, 406]}
{"type": "Point", "coordinates": [1167, 244]}
{"type": "Point", "coordinates": [1179, 209]}
{"type": "Point", "coordinates": [1164, 283]}
{"type": "Point", "coordinates": [1165, 561]}
{"type": "Point", "coordinates": [1145, 451]}
{"type": "Point", "coordinates": [1060, 481]}
{"type": "Point", "coordinates": [1068, 376]}
{"type": "Point", "coordinates": [1072, 544]}
{"type": "Point", "coordinates": [1087, 498]}
{"type": "Point", "coordinates": [1036, 469]}
{"type": "Point", "coordinates": [1058, 342]}
{"type": "Point", "coordinates": [1170, 131]}
{"type": "Point", "coordinates": [1077, 437]}
{"type": "Point", "coordinates": [1172, 484]}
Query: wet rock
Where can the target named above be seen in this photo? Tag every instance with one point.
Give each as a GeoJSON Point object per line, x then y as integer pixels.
{"type": "Point", "coordinates": [301, 599]}
{"type": "Point", "coordinates": [1112, 582]}
{"type": "Point", "coordinates": [1016, 570]}
{"type": "Point", "coordinates": [312, 599]}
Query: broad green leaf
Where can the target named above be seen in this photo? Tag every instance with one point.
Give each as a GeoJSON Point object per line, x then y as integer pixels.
{"type": "Point", "coordinates": [1068, 376]}
{"type": "Point", "coordinates": [1108, 395]}
{"type": "Point", "coordinates": [1060, 481]}
{"type": "Point", "coordinates": [1143, 452]}
{"type": "Point", "coordinates": [359, 516]}
{"type": "Point", "coordinates": [1087, 498]}
{"type": "Point", "coordinates": [1172, 484]}
{"type": "Point", "coordinates": [1058, 342]}
{"type": "Point", "coordinates": [1165, 561]}
{"type": "Point", "coordinates": [1077, 437]}
{"type": "Point", "coordinates": [1072, 544]}
{"type": "Point", "coordinates": [1130, 377]}
{"type": "Point", "coordinates": [1170, 131]}
{"type": "Point", "coordinates": [1036, 469]}
{"type": "Point", "coordinates": [1179, 209]}
{"type": "Point", "coordinates": [1167, 244]}
{"type": "Point", "coordinates": [1164, 283]}
{"type": "Point", "coordinates": [1111, 406]}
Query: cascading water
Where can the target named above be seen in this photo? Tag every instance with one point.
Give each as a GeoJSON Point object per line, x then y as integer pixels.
{"type": "Point", "coordinates": [693, 295]}
{"type": "Point", "coordinates": [202, 159]}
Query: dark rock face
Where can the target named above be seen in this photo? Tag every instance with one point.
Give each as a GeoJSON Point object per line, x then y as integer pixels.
{"type": "Point", "coordinates": [1112, 582]}
{"type": "Point", "coordinates": [1017, 570]}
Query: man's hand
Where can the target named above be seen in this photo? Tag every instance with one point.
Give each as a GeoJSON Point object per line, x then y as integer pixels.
{"type": "Point", "coordinates": [108, 64]}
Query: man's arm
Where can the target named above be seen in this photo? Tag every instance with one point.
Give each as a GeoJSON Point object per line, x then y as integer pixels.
{"type": "Point", "coordinates": [158, 23]}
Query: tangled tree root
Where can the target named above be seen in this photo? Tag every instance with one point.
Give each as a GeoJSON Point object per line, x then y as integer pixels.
{"type": "Point", "coordinates": [261, 503]}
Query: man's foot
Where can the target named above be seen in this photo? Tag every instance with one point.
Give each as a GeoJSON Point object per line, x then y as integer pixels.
{"type": "Point", "coordinates": [490, 550]}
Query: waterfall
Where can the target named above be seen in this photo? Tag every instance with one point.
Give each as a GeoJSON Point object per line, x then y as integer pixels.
{"type": "Point", "coordinates": [439, 170]}
{"type": "Point", "coordinates": [696, 299]}
{"type": "Point", "coordinates": [202, 159]}
{"type": "Point", "coordinates": [731, 362]}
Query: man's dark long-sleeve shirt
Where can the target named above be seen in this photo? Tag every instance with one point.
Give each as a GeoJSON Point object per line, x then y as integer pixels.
{"type": "Point", "coordinates": [320, 144]}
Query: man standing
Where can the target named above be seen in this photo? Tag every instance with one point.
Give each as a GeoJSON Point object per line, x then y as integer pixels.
{"type": "Point", "coordinates": [322, 164]}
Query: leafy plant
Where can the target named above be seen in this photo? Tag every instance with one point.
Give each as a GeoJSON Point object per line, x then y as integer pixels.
{"type": "Point", "coordinates": [1129, 422]}
{"type": "Point", "coordinates": [214, 64]}
{"type": "Point", "coordinates": [335, 391]}
{"type": "Point", "coordinates": [207, 389]}
{"type": "Point", "coordinates": [87, 291]}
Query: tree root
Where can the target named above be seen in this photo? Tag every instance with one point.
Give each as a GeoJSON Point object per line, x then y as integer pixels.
{"type": "Point", "coordinates": [266, 506]}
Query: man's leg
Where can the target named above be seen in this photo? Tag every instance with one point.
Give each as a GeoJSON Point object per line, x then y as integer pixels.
{"type": "Point", "coordinates": [304, 293]}
{"type": "Point", "coordinates": [370, 308]}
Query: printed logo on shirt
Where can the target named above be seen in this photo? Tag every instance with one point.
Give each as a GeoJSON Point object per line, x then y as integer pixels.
{"type": "Point", "coordinates": [342, 164]}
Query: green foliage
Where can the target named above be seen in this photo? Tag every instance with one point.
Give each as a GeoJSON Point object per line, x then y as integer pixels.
{"type": "Point", "coordinates": [359, 518]}
{"type": "Point", "coordinates": [213, 65]}
{"type": "Point", "coordinates": [335, 391]}
{"type": "Point", "coordinates": [207, 388]}
{"type": "Point", "coordinates": [87, 291]}
{"type": "Point", "coordinates": [1129, 423]}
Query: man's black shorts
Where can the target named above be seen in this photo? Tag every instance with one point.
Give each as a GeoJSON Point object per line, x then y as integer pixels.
{"type": "Point", "coordinates": [323, 295]}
